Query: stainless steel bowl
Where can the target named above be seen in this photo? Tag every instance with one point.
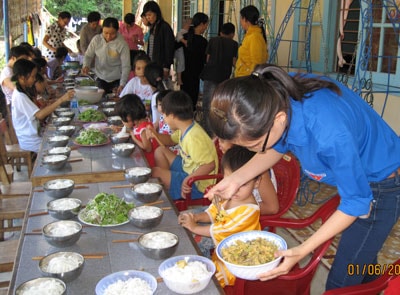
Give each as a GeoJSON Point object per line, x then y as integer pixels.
{"type": "Point", "coordinates": [61, 121]}
{"type": "Point", "coordinates": [145, 216]}
{"type": "Point", "coordinates": [67, 130]}
{"type": "Point", "coordinates": [64, 208]}
{"type": "Point", "coordinates": [58, 111]}
{"type": "Point", "coordinates": [54, 162]}
{"type": "Point", "coordinates": [58, 140]}
{"type": "Point", "coordinates": [41, 286]}
{"type": "Point", "coordinates": [119, 139]}
{"type": "Point", "coordinates": [123, 149]}
{"type": "Point", "coordinates": [108, 104]}
{"type": "Point", "coordinates": [69, 114]}
{"type": "Point", "coordinates": [109, 112]}
{"type": "Point", "coordinates": [137, 175]}
{"type": "Point", "coordinates": [158, 244]}
{"type": "Point", "coordinates": [147, 192]}
{"type": "Point", "coordinates": [62, 233]}
{"type": "Point", "coordinates": [61, 150]}
{"type": "Point", "coordinates": [59, 188]}
{"type": "Point", "coordinates": [48, 265]}
{"type": "Point", "coordinates": [115, 120]}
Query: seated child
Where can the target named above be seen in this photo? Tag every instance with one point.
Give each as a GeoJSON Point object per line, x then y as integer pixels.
{"type": "Point", "coordinates": [133, 114]}
{"type": "Point", "coordinates": [54, 69]}
{"type": "Point", "coordinates": [238, 214]}
{"type": "Point", "coordinates": [197, 154]}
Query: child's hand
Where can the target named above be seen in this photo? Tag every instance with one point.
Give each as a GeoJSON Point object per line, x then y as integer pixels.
{"type": "Point", "coordinates": [185, 189]}
{"type": "Point", "coordinates": [187, 220]}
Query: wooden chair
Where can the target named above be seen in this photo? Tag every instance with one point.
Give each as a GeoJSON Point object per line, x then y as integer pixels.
{"type": "Point", "coordinates": [10, 189]}
{"type": "Point", "coordinates": [12, 152]}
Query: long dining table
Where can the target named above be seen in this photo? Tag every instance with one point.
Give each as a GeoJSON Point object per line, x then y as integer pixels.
{"type": "Point", "coordinates": [113, 254]}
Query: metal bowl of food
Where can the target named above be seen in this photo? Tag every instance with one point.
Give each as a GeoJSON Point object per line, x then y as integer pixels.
{"type": "Point", "coordinates": [64, 208]}
{"type": "Point", "coordinates": [58, 140]}
{"type": "Point", "coordinates": [66, 130]}
{"type": "Point", "coordinates": [68, 114]}
{"type": "Point", "coordinates": [66, 266]}
{"type": "Point", "coordinates": [58, 188]}
{"type": "Point", "coordinates": [108, 104]}
{"type": "Point", "coordinates": [115, 120]}
{"type": "Point", "coordinates": [158, 244]}
{"type": "Point", "coordinates": [61, 121]}
{"type": "Point", "coordinates": [54, 162]}
{"type": "Point", "coordinates": [147, 192]}
{"type": "Point", "coordinates": [137, 175]}
{"type": "Point", "coordinates": [62, 233]}
{"type": "Point", "coordinates": [42, 286]}
{"type": "Point", "coordinates": [145, 216]}
{"type": "Point", "coordinates": [62, 150]}
{"type": "Point", "coordinates": [120, 138]}
{"type": "Point", "coordinates": [58, 111]}
{"type": "Point", "coordinates": [123, 149]}
{"type": "Point", "coordinates": [109, 112]}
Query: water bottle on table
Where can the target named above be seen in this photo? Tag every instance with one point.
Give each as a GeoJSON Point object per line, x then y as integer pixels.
{"type": "Point", "coordinates": [74, 107]}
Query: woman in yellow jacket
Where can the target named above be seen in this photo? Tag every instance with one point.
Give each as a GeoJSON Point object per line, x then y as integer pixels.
{"type": "Point", "coordinates": [253, 50]}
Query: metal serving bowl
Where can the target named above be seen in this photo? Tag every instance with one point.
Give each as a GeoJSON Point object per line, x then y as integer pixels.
{"type": "Point", "coordinates": [64, 208]}
{"type": "Point", "coordinates": [147, 192]}
{"type": "Point", "coordinates": [61, 121]}
{"type": "Point", "coordinates": [115, 138]}
{"type": "Point", "coordinates": [115, 120]}
{"type": "Point", "coordinates": [41, 286]}
{"type": "Point", "coordinates": [109, 112]}
{"type": "Point", "coordinates": [62, 233]}
{"type": "Point", "coordinates": [66, 130]}
{"type": "Point", "coordinates": [54, 162]}
{"type": "Point", "coordinates": [58, 140]}
{"type": "Point", "coordinates": [61, 150]}
{"type": "Point", "coordinates": [58, 111]}
{"type": "Point", "coordinates": [69, 270]}
{"type": "Point", "coordinates": [123, 149]}
{"type": "Point", "coordinates": [137, 175]}
{"type": "Point", "coordinates": [59, 188]}
{"type": "Point", "coordinates": [108, 104]}
{"type": "Point", "coordinates": [69, 114]}
{"type": "Point", "coordinates": [158, 244]}
{"type": "Point", "coordinates": [145, 216]}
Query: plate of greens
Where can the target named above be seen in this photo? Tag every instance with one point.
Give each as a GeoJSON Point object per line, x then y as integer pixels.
{"type": "Point", "coordinates": [91, 137]}
{"type": "Point", "coordinates": [92, 115]}
{"type": "Point", "coordinates": [105, 210]}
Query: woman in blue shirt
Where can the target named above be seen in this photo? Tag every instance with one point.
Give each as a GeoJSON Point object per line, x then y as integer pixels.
{"type": "Point", "coordinates": [338, 138]}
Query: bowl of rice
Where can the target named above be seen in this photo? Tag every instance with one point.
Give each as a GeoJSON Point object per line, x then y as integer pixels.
{"type": "Point", "coordinates": [61, 121]}
{"type": "Point", "coordinates": [66, 266]}
{"type": "Point", "coordinates": [58, 111]}
{"type": "Point", "coordinates": [248, 254]}
{"type": "Point", "coordinates": [115, 120]}
{"type": "Point", "coordinates": [109, 112]}
{"type": "Point", "coordinates": [67, 130]}
{"type": "Point", "coordinates": [145, 216]}
{"type": "Point", "coordinates": [186, 274]}
{"type": "Point", "coordinates": [54, 162]}
{"type": "Point", "coordinates": [127, 282]}
{"type": "Point", "coordinates": [123, 149]}
{"type": "Point", "coordinates": [42, 286]}
{"type": "Point", "coordinates": [147, 192]}
{"type": "Point", "coordinates": [62, 233]}
{"type": "Point", "coordinates": [158, 244]}
{"type": "Point", "coordinates": [137, 175]}
{"type": "Point", "coordinates": [64, 208]}
{"type": "Point", "coordinates": [58, 188]}
{"type": "Point", "coordinates": [58, 140]}
{"type": "Point", "coordinates": [61, 150]}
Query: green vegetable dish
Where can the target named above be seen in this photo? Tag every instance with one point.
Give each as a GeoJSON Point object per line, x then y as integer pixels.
{"type": "Point", "coordinates": [91, 115]}
{"type": "Point", "coordinates": [91, 137]}
{"type": "Point", "coordinates": [83, 102]}
{"type": "Point", "coordinates": [106, 209]}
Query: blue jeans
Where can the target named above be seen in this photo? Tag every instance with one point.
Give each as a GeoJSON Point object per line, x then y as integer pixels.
{"type": "Point", "coordinates": [361, 242]}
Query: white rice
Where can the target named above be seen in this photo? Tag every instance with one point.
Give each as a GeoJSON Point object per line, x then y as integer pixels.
{"type": "Point", "coordinates": [158, 240]}
{"type": "Point", "coordinates": [135, 286]}
{"type": "Point", "coordinates": [62, 263]}
{"type": "Point", "coordinates": [124, 146]}
{"type": "Point", "coordinates": [45, 287]}
{"type": "Point", "coordinates": [68, 127]}
{"type": "Point", "coordinates": [62, 230]}
{"type": "Point", "coordinates": [147, 188]}
{"type": "Point", "coordinates": [145, 212]}
{"type": "Point", "coordinates": [114, 118]}
{"type": "Point", "coordinates": [58, 138]}
{"type": "Point", "coordinates": [60, 183]}
{"type": "Point", "coordinates": [66, 114]}
{"type": "Point", "coordinates": [63, 204]}
{"type": "Point", "coordinates": [54, 158]}
{"type": "Point", "coordinates": [138, 171]}
{"type": "Point", "coordinates": [57, 150]}
{"type": "Point", "coordinates": [62, 119]}
{"type": "Point", "coordinates": [193, 271]}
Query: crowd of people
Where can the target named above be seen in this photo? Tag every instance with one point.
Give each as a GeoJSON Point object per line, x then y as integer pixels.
{"type": "Point", "coordinates": [256, 111]}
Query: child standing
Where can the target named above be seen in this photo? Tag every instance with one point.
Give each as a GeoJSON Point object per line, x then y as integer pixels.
{"type": "Point", "coordinates": [238, 214]}
{"type": "Point", "coordinates": [133, 114]}
{"type": "Point", "coordinates": [54, 70]}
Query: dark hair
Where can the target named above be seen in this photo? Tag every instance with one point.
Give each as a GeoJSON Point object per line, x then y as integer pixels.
{"type": "Point", "coordinates": [154, 74]}
{"type": "Point", "coordinates": [18, 51]}
{"type": "Point", "coordinates": [179, 104]}
{"type": "Point", "coordinates": [160, 95]}
{"type": "Point", "coordinates": [64, 14]}
{"type": "Point", "coordinates": [129, 18]}
{"type": "Point", "coordinates": [61, 52]}
{"type": "Point", "coordinates": [227, 29]}
{"type": "Point", "coordinates": [252, 15]}
{"type": "Point", "coordinates": [93, 16]}
{"type": "Point", "coordinates": [111, 22]}
{"type": "Point", "coordinates": [141, 55]}
{"type": "Point", "coordinates": [235, 158]}
{"type": "Point", "coordinates": [152, 6]}
{"type": "Point", "coordinates": [245, 107]}
{"type": "Point", "coordinates": [3, 104]}
{"type": "Point", "coordinates": [130, 105]}
{"type": "Point", "coordinates": [22, 68]}
{"type": "Point", "coordinates": [40, 62]}
{"type": "Point", "coordinates": [39, 78]}
{"type": "Point", "coordinates": [198, 19]}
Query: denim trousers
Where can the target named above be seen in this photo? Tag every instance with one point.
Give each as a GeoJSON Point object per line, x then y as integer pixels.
{"type": "Point", "coordinates": [356, 257]}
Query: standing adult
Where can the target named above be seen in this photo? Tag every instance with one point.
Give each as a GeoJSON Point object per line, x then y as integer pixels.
{"type": "Point", "coordinates": [111, 55]}
{"type": "Point", "coordinates": [161, 43]}
{"type": "Point", "coordinates": [195, 56]}
{"type": "Point", "coordinates": [133, 35]}
{"type": "Point", "coordinates": [91, 29]}
{"type": "Point", "coordinates": [253, 50]}
{"type": "Point", "coordinates": [338, 138]}
{"type": "Point", "coordinates": [55, 35]}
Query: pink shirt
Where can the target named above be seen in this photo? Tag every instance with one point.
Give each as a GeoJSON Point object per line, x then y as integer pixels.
{"type": "Point", "coordinates": [130, 34]}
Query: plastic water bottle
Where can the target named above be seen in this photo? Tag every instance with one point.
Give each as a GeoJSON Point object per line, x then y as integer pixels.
{"type": "Point", "coordinates": [74, 106]}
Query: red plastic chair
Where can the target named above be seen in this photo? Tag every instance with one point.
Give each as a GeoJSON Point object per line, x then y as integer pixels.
{"type": "Point", "coordinates": [371, 288]}
{"type": "Point", "coordinates": [298, 280]}
{"type": "Point", "coordinates": [287, 173]}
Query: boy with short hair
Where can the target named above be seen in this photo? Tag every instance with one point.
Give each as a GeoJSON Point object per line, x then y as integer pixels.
{"type": "Point", "coordinates": [197, 154]}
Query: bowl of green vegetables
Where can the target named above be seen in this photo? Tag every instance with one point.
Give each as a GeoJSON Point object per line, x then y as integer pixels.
{"type": "Point", "coordinates": [92, 115]}
{"type": "Point", "coordinates": [91, 137]}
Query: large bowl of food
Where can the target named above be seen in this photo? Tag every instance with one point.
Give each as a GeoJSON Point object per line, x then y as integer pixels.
{"type": "Point", "coordinates": [58, 140]}
{"type": "Point", "coordinates": [187, 274]}
{"type": "Point", "coordinates": [92, 94]}
{"type": "Point", "coordinates": [66, 266]}
{"type": "Point", "coordinates": [62, 233]}
{"type": "Point", "coordinates": [147, 192]}
{"type": "Point", "coordinates": [127, 282]}
{"type": "Point", "coordinates": [54, 162]}
{"type": "Point", "coordinates": [42, 286]}
{"type": "Point", "coordinates": [120, 137]}
{"type": "Point", "coordinates": [91, 115]}
{"type": "Point", "coordinates": [64, 208]}
{"type": "Point", "coordinates": [158, 244]}
{"type": "Point", "coordinates": [66, 130]}
{"type": "Point", "coordinates": [91, 137]}
{"type": "Point", "coordinates": [59, 188]}
{"type": "Point", "coordinates": [248, 254]}
{"type": "Point", "coordinates": [137, 175]}
{"type": "Point", "coordinates": [146, 216]}
{"type": "Point", "coordinates": [123, 149]}
{"type": "Point", "coordinates": [61, 121]}
{"type": "Point", "coordinates": [62, 150]}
